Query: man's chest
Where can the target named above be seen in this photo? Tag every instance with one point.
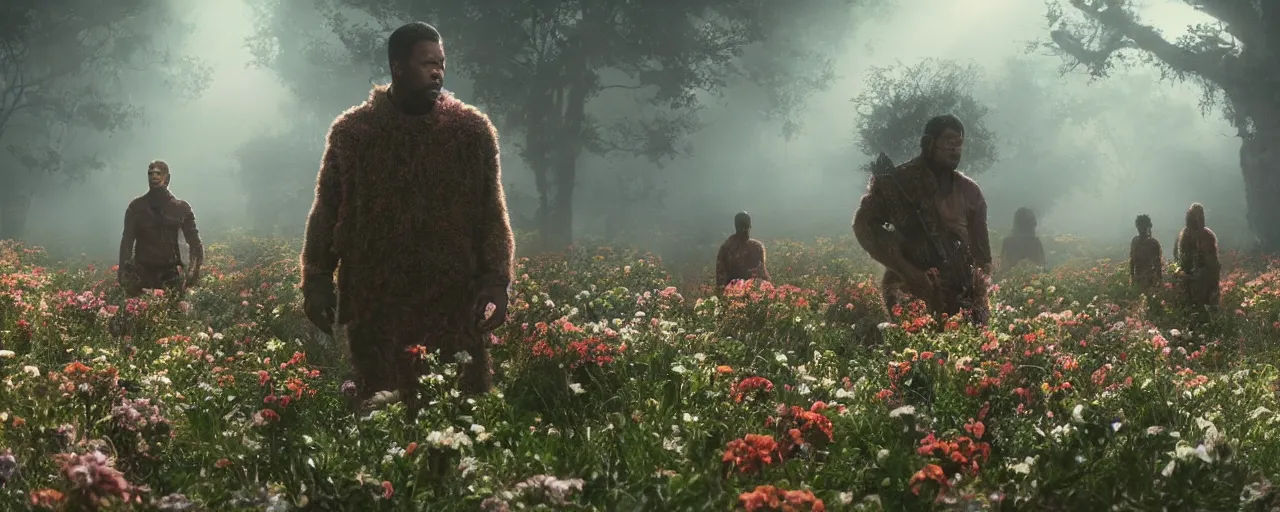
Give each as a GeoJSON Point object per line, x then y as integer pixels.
{"type": "Point", "coordinates": [159, 217]}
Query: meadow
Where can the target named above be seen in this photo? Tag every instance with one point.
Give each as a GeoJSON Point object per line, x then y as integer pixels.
{"type": "Point", "coordinates": [625, 384]}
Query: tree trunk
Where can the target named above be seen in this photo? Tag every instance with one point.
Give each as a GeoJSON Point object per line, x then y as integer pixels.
{"type": "Point", "coordinates": [1260, 164]}
{"type": "Point", "coordinates": [559, 232]}
{"type": "Point", "coordinates": [13, 215]}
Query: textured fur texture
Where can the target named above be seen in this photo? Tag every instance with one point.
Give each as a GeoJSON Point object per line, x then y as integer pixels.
{"type": "Point", "coordinates": [1197, 255]}
{"type": "Point", "coordinates": [888, 221]}
{"type": "Point", "coordinates": [413, 210]}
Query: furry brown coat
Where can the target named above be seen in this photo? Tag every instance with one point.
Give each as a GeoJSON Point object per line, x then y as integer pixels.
{"type": "Point", "coordinates": [740, 258]}
{"type": "Point", "coordinates": [1197, 255]}
{"type": "Point", "coordinates": [412, 208]}
{"type": "Point", "coordinates": [903, 213]}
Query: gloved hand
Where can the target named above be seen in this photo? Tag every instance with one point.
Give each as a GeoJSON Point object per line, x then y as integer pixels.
{"type": "Point", "coordinates": [320, 303]}
{"type": "Point", "coordinates": [496, 295]}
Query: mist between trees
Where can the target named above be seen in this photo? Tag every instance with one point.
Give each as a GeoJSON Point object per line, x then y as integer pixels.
{"type": "Point", "coordinates": [650, 124]}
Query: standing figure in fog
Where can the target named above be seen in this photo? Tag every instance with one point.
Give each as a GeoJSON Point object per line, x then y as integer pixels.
{"type": "Point", "coordinates": [1022, 244]}
{"type": "Point", "coordinates": [410, 212]}
{"type": "Point", "coordinates": [927, 224]}
{"type": "Point", "coordinates": [1197, 255]}
{"type": "Point", "coordinates": [149, 253]}
{"type": "Point", "coordinates": [1146, 258]}
{"type": "Point", "coordinates": [740, 257]}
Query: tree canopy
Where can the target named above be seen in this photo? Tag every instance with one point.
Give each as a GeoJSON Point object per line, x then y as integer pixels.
{"type": "Point", "coordinates": [64, 72]}
{"type": "Point", "coordinates": [537, 68]}
{"type": "Point", "coordinates": [900, 99]}
{"type": "Point", "coordinates": [1233, 60]}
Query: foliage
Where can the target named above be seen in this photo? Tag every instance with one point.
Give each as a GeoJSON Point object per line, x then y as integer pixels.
{"type": "Point", "coordinates": [66, 73]}
{"type": "Point", "coordinates": [1044, 154]}
{"type": "Point", "coordinates": [620, 391]}
{"type": "Point", "coordinates": [538, 69]}
{"type": "Point", "coordinates": [899, 100]}
{"type": "Point", "coordinates": [1223, 57]}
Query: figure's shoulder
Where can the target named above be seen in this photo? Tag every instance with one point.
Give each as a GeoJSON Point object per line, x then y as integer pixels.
{"type": "Point", "coordinates": [136, 202]}
{"type": "Point", "coordinates": [968, 185]}
{"type": "Point", "coordinates": [901, 175]}
{"type": "Point", "coordinates": [182, 204]}
{"type": "Point", "coordinates": [356, 120]}
{"type": "Point", "coordinates": [466, 118]}
{"type": "Point", "coordinates": [756, 244]}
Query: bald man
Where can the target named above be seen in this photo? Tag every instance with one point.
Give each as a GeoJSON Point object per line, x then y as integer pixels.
{"type": "Point", "coordinates": [741, 257]}
{"type": "Point", "coordinates": [149, 254]}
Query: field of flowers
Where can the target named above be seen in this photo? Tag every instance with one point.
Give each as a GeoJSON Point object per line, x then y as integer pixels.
{"type": "Point", "coordinates": [621, 387]}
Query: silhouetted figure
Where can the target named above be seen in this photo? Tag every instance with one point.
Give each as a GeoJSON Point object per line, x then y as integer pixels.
{"type": "Point", "coordinates": [1197, 255]}
{"type": "Point", "coordinates": [1146, 258]}
{"type": "Point", "coordinates": [149, 253]}
{"type": "Point", "coordinates": [740, 257]}
{"type": "Point", "coordinates": [1022, 244]}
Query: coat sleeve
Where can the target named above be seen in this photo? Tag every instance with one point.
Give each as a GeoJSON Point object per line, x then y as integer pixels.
{"type": "Point", "coordinates": [319, 254]}
{"type": "Point", "coordinates": [979, 235]}
{"type": "Point", "coordinates": [128, 236]}
{"type": "Point", "coordinates": [494, 240]}
{"type": "Point", "coordinates": [195, 247]}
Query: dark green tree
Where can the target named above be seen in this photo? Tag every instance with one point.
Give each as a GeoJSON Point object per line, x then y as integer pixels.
{"type": "Point", "coordinates": [538, 68]}
{"type": "Point", "coordinates": [1234, 60]}
{"type": "Point", "coordinates": [900, 99]}
{"type": "Point", "coordinates": [65, 70]}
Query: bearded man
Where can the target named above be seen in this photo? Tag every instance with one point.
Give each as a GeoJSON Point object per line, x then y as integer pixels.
{"type": "Point", "coordinates": [409, 203]}
{"type": "Point", "coordinates": [149, 253]}
{"type": "Point", "coordinates": [927, 224]}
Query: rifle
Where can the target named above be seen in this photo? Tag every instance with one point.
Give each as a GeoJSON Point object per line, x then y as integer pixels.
{"type": "Point", "coordinates": [959, 260]}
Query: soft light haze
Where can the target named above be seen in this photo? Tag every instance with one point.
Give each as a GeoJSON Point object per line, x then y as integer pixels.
{"type": "Point", "coordinates": [804, 187]}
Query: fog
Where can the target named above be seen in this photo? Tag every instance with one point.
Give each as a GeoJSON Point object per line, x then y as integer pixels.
{"type": "Point", "coordinates": [1151, 148]}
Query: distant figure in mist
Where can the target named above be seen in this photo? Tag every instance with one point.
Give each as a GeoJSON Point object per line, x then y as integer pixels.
{"type": "Point", "coordinates": [741, 257]}
{"type": "Point", "coordinates": [1146, 258]}
{"type": "Point", "coordinates": [927, 224]}
{"type": "Point", "coordinates": [1197, 255]}
{"type": "Point", "coordinates": [1022, 245]}
{"type": "Point", "coordinates": [149, 253]}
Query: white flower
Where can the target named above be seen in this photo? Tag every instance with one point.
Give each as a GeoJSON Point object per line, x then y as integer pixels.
{"type": "Point", "coordinates": [7, 354]}
{"type": "Point", "coordinates": [904, 410]}
{"type": "Point", "coordinates": [576, 388]}
{"type": "Point", "coordinates": [1077, 413]}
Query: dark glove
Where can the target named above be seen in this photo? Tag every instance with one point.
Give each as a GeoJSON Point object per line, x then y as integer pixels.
{"type": "Point", "coordinates": [496, 295]}
{"type": "Point", "coordinates": [320, 303]}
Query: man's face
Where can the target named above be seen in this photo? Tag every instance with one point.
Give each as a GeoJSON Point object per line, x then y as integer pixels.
{"type": "Point", "coordinates": [156, 177]}
{"type": "Point", "coordinates": [423, 73]}
{"type": "Point", "coordinates": [947, 149]}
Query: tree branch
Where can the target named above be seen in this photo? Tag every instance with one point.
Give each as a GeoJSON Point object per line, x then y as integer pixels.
{"type": "Point", "coordinates": [1143, 37]}
{"type": "Point", "coordinates": [1241, 18]}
